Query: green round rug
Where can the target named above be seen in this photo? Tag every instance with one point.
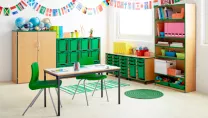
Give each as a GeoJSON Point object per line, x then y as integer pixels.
{"type": "Point", "coordinates": [144, 94]}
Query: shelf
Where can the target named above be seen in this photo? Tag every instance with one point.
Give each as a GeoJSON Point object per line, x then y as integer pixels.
{"type": "Point", "coordinates": [166, 57]}
{"type": "Point", "coordinates": [157, 45]}
{"type": "Point", "coordinates": [170, 76]}
{"type": "Point", "coordinates": [177, 38]}
{"type": "Point", "coordinates": [168, 5]}
{"type": "Point", "coordinates": [171, 88]}
{"type": "Point", "coordinates": [170, 20]}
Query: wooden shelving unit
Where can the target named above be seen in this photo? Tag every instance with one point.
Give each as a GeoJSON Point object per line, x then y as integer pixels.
{"type": "Point", "coordinates": [188, 64]}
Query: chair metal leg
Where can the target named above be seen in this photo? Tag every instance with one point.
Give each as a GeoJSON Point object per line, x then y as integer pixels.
{"type": "Point", "coordinates": [76, 89]}
{"type": "Point", "coordinates": [33, 101]}
{"type": "Point", "coordinates": [85, 92]}
{"type": "Point", "coordinates": [52, 101]}
{"type": "Point", "coordinates": [57, 94]}
{"type": "Point", "coordinates": [95, 87]}
{"type": "Point", "coordinates": [106, 91]}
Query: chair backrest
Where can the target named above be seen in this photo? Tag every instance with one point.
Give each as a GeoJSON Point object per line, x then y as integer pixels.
{"type": "Point", "coordinates": [86, 61]}
{"type": "Point", "coordinates": [35, 74]}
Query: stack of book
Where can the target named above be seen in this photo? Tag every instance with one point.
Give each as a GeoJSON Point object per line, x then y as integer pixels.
{"type": "Point", "coordinates": [163, 43]}
{"type": "Point", "coordinates": [176, 44]}
{"type": "Point", "coordinates": [164, 13]}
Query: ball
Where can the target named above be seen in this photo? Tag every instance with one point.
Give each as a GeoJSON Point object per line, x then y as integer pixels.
{"type": "Point", "coordinates": [48, 25]}
{"type": "Point", "coordinates": [41, 25]}
{"type": "Point", "coordinates": [35, 21]}
{"type": "Point", "coordinates": [19, 22]}
{"type": "Point", "coordinates": [46, 20]}
{"type": "Point", "coordinates": [37, 28]}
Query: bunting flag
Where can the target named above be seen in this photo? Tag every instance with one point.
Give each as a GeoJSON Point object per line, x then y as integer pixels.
{"type": "Point", "coordinates": [1, 9]}
{"type": "Point", "coordinates": [14, 10]}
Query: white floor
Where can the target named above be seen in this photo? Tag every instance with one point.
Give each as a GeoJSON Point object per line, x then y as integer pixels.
{"type": "Point", "coordinates": [15, 98]}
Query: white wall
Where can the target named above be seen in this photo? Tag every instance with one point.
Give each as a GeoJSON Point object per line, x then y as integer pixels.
{"type": "Point", "coordinates": [71, 21]}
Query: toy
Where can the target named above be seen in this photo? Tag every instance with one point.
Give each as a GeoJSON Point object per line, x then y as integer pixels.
{"type": "Point", "coordinates": [158, 79]}
{"type": "Point", "coordinates": [35, 21]}
{"type": "Point", "coordinates": [179, 81]}
{"type": "Point", "coordinates": [41, 25]}
{"type": "Point", "coordinates": [19, 22]}
{"type": "Point", "coordinates": [48, 26]}
{"type": "Point", "coordinates": [46, 20]}
{"type": "Point", "coordinates": [37, 28]}
{"type": "Point", "coordinates": [165, 79]}
{"type": "Point", "coordinates": [30, 25]}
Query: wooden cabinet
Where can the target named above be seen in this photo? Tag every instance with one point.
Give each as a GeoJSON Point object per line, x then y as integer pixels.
{"type": "Point", "coordinates": [29, 47]}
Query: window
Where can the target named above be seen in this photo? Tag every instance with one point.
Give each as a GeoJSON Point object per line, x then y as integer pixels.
{"type": "Point", "coordinates": [135, 24]}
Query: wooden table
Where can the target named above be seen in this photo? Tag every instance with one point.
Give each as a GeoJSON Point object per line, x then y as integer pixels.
{"type": "Point", "coordinates": [67, 72]}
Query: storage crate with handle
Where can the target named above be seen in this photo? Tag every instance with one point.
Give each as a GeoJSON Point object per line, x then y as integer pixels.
{"type": "Point", "coordinates": [161, 66]}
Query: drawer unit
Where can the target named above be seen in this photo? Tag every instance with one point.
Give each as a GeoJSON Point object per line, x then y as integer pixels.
{"type": "Point", "coordinates": [84, 53]}
{"type": "Point", "coordinates": [95, 54]}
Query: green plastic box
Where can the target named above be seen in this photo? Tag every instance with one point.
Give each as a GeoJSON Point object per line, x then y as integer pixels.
{"type": "Point", "coordinates": [94, 43]}
{"type": "Point", "coordinates": [132, 69]}
{"type": "Point", "coordinates": [181, 87]}
{"type": "Point", "coordinates": [84, 54]}
{"type": "Point", "coordinates": [61, 45]}
{"type": "Point", "coordinates": [97, 62]}
{"type": "Point", "coordinates": [73, 44]}
{"type": "Point", "coordinates": [95, 54]}
{"type": "Point", "coordinates": [84, 44]}
{"type": "Point", "coordinates": [73, 56]}
{"type": "Point", "coordinates": [62, 58]}
{"type": "Point", "coordinates": [141, 72]}
{"type": "Point", "coordinates": [163, 83]}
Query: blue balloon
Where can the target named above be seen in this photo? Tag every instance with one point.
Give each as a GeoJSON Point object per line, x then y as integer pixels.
{"type": "Point", "coordinates": [41, 25]}
{"type": "Point", "coordinates": [35, 21]}
{"type": "Point", "coordinates": [30, 25]}
{"type": "Point", "coordinates": [19, 22]}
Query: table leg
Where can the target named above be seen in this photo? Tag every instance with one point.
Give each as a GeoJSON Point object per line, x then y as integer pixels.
{"type": "Point", "coordinates": [119, 88]}
{"type": "Point", "coordinates": [44, 90]}
{"type": "Point", "coordinates": [59, 106]}
{"type": "Point", "coordinates": [101, 88]}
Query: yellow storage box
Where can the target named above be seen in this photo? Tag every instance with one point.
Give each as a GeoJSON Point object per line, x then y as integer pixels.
{"type": "Point", "coordinates": [122, 48]}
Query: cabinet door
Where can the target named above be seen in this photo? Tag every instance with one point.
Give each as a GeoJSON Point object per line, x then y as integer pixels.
{"type": "Point", "coordinates": [27, 54]}
{"type": "Point", "coordinates": [46, 53]}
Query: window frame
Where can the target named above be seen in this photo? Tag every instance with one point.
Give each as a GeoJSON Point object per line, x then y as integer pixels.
{"type": "Point", "coordinates": [145, 38]}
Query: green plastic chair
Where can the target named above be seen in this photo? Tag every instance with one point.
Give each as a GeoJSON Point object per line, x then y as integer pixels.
{"type": "Point", "coordinates": [89, 77]}
{"type": "Point", "coordinates": [35, 84]}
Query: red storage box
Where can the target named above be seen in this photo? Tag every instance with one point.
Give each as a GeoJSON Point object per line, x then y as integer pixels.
{"type": "Point", "coordinates": [173, 72]}
{"type": "Point", "coordinates": [141, 52]}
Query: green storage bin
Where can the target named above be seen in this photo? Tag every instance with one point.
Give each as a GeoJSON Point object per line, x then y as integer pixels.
{"type": "Point", "coordinates": [116, 73]}
{"type": "Point", "coordinates": [140, 60]}
{"type": "Point", "coordinates": [96, 62]}
{"type": "Point", "coordinates": [70, 64]}
{"type": "Point", "coordinates": [62, 58]}
{"type": "Point", "coordinates": [124, 75]}
{"type": "Point", "coordinates": [163, 83]}
{"type": "Point", "coordinates": [109, 59]}
{"type": "Point", "coordinates": [109, 55]}
{"type": "Point", "coordinates": [181, 87]}
{"type": "Point", "coordinates": [73, 57]}
{"type": "Point", "coordinates": [95, 54]}
{"type": "Point", "coordinates": [123, 58]}
{"type": "Point", "coordinates": [132, 69]}
{"type": "Point", "coordinates": [116, 63]}
{"type": "Point", "coordinates": [141, 72]}
{"type": "Point", "coordinates": [61, 45]}
{"type": "Point", "coordinates": [73, 44]}
{"type": "Point", "coordinates": [84, 54]}
{"type": "Point", "coordinates": [116, 57]}
{"type": "Point", "coordinates": [109, 63]}
{"type": "Point", "coordinates": [61, 65]}
{"type": "Point", "coordinates": [132, 62]}
{"type": "Point", "coordinates": [84, 44]}
{"type": "Point", "coordinates": [94, 43]}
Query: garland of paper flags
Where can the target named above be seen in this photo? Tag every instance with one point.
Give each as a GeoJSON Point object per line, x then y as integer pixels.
{"type": "Point", "coordinates": [14, 9]}
{"type": "Point", "coordinates": [34, 4]}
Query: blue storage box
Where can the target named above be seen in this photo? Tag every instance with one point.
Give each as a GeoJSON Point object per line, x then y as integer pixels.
{"type": "Point", "coordinates": [170, 54]}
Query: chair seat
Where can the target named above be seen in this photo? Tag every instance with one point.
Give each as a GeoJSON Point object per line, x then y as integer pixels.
{"type": "Point", "coordinates": [92, 77]}
{"type": "Point", "coordinates": [44, 84]}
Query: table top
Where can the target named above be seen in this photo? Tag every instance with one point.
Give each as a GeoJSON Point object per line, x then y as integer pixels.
{"type": "Point", "coordinates": [145, 57]}
{"type": "Point", "coordinates": [67, 71]}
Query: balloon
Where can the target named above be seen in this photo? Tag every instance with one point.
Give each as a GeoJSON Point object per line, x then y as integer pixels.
{"type": "Point", "coordinates": [46, 20]}
{"type": "Point", "coordinates": [35, 21]}
{"type": "Point", "coordinates": [37, 28]}
{"type": "Point", "coordinates": [41, 25]}
{"type": "Point", "coordinates": [19, 22]}
{"type": "Point", "coordinates": [47, 25]}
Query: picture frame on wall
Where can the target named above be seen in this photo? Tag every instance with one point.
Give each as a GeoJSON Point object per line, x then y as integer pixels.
{"type": "Point", "coordinates": [165, 2]}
